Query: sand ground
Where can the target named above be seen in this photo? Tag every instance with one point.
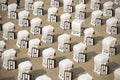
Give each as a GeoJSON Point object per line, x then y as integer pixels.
{"type": "Point", "coordinates": [79, 68]}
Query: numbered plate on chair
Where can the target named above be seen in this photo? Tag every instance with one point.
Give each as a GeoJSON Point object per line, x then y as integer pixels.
{"type": "Point", "coordinates": [53, 18]}
{"type": "Point", "coordinates": [30, 6]}
{"type": "Point", "coordinates": [81, 57]}
{"type": "Point", "coordinates": [4, 6]}
{"type": "Point", "coordinates": [69, 8]}
{"type": "Point", "coordinates": [38, 30]}
{"type": "Point", "coordinates": [50, 63]}
{"type": "Point", "coordinates": [39, 11]}
{"type": "Point", "coordinates": [13, 15]}
{"type": "Point", "coordinates": [35, 52]}
{"type": "Point", "coordinates": [26, 76]}
{"type": "Point", "coordinates": [81, 15]}
{"type": "Point", "coordinates": [109, 12]}
{"type": "Point", "coordinates": [56, 3]}
{"type": "Point", "coordinates": [98, 22]}
{"type": "Point", "coordinates": [97, 6]}
{"type": "Point", "coordinates": [67, 25]}
{"type": "Point", "coordinates": [104, 69]}
{"type": "Point", "coordinates": [89, 41]}
{"type": "Point", "coordinates": [67, 75]}
{"type": "Point", "coordinates": [23, 44]}
{"type": "Point", "coordinates": [11, 35]}
{"type": "Point", "coordinates": [67, 47]}
{"type": "Point", "coordinates": [11, 64]}
{"type": "Point", "coordinates": [25, 22]}
{"type": "Point", "coordinates": [50, 39]}
{"type": "Point", "coordinates": [112, 51]}
{"type": "Point", "coordinates": [114, 30]}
